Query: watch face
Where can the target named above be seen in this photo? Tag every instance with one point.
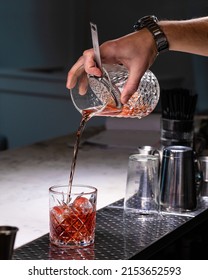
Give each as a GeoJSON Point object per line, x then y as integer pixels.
{"type": "Point", "coordinates": [149, 19]}
{"type": "Point", "coordinates": [144, 21]}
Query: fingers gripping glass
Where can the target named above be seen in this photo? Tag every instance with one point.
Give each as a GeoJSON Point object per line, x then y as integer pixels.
{"type": "Point", "coordinates": [103, 94]}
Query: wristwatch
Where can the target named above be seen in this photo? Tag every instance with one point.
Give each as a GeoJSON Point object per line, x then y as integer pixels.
{"type": "Point", "coordinates": [150, 22]}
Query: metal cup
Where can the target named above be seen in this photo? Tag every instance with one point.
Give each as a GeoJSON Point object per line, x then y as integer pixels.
{"type": "Point", "coordinates": [148, 150]}
{"type": "Point", "coordinates": [7, 239]}
{"type": "Point", "coordinates": [177, 184]}
{"type": "Point", "coordinates": [204, 169]}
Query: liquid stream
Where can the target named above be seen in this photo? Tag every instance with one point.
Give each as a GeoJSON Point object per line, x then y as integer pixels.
{"type": "Point", "coordinates": [107, 111]}
{"type": "Point", "coordinates": [127, 110]}
{"type": "Point", "coordinates": [86, 115]}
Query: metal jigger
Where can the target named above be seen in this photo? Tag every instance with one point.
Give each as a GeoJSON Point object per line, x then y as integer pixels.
{"type": "Point", "coordinates": [7, 239]}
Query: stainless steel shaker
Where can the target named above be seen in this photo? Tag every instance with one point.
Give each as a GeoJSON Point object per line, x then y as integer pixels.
{"type": "Point", "coordinates": [148, 150]}
{"type": "Point", "coordinates": [204, 169]}
{"type": "Point", "coordinates": [177, 183]}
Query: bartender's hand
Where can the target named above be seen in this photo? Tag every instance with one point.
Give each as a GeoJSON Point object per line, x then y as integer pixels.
{"type": "Point", "coordinates": [136, 51]}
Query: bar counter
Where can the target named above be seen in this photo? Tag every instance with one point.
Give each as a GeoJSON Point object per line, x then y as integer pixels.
{"type": "Point", "coordinates": [28, 172]}
{"type": "Point", "coordinates": [121, 237]}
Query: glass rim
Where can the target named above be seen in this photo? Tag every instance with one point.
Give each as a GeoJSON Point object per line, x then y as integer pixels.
{"type": "Point", "coordinates": [203, 158]}
{"type": "Point", "coordinates": [7, 230]}
{"type": "Point", "coordinates": [89, 189]}
{"type": "Point", "coordinates": [143, 157]}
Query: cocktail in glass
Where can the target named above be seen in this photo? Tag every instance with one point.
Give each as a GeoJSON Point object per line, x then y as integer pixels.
{"type": "Point", "coordinates": [72, 215]}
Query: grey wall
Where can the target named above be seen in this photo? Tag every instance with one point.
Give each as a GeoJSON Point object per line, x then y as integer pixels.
{"type": "Point", "coordinates": [41, 39]}
{"type": "Point", "coordinates": [34, 33]}
{"type": "Point", "coordinates": [36, 107]}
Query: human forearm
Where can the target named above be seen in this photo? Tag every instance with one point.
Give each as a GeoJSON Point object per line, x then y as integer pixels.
{"type": "Point", "coordinates": [137, 51]}
{"type": "Point", "coordinates": [190, 36]}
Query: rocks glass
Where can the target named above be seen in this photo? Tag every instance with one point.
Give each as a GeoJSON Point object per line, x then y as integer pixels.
{"type": "Point", "coordinates": [72, 215]}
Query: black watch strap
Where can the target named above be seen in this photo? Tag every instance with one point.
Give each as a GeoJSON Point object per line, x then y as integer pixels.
{"type": "Point", "coordinates": [150, 22]}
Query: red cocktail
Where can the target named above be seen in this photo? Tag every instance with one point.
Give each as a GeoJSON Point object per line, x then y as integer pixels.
{"type": "Point", "coordinates": [73, 218]}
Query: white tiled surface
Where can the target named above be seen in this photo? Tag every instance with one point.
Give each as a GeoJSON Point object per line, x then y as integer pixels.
{"type": "Point", "coordinates": [27, 173]}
